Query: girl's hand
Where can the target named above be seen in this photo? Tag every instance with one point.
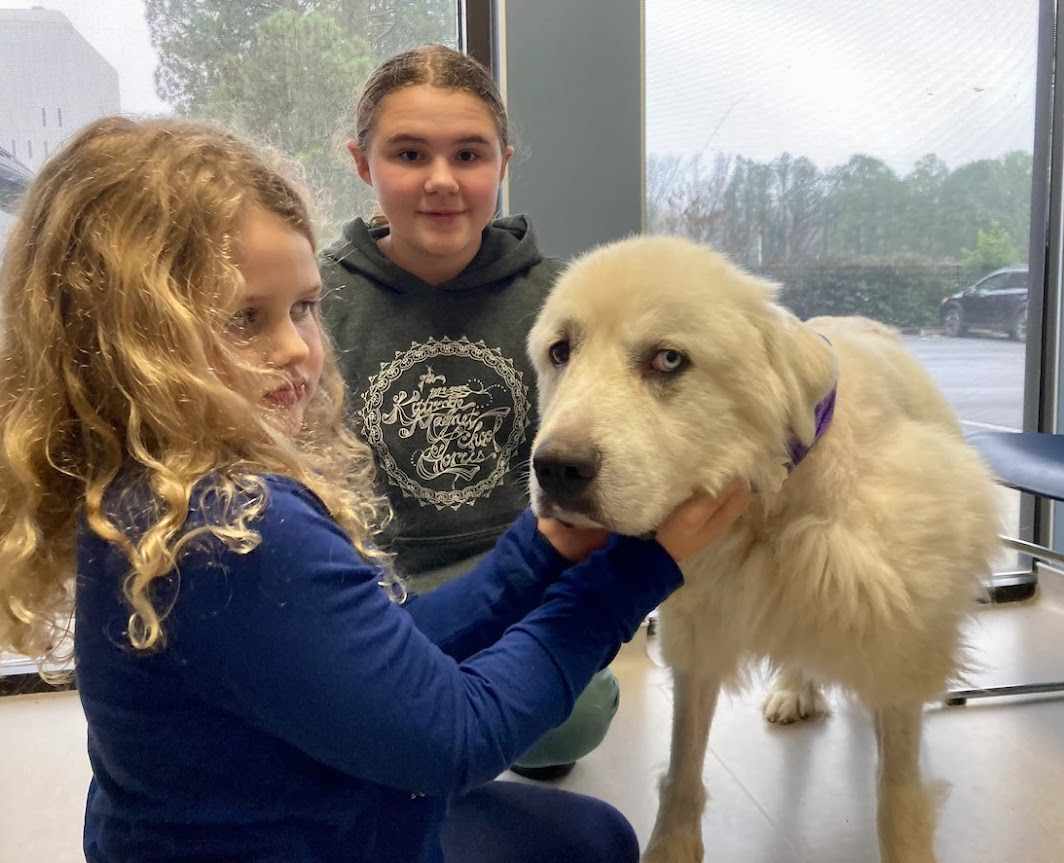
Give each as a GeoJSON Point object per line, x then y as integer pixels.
{"type": "Point", "coordinates": [572, 543]}
{"type": "Point", "coordinates": [701, 520]}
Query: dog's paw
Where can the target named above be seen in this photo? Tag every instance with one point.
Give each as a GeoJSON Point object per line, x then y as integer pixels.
{"type": "Point", "coordinates": [784, 706]}
{"type": "Point", "coordinates": [674, 848]}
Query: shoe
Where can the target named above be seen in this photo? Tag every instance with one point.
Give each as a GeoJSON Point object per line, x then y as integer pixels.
{"type": "Point", "coordinates": [549, 773]}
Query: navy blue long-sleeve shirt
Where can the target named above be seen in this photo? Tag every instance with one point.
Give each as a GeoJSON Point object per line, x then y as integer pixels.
{"type": "Point", "coordinates": [296, 714]}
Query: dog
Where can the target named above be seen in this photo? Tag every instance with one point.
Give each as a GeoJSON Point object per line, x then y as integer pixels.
{"type": "Point", "coordinates": [664, 370]}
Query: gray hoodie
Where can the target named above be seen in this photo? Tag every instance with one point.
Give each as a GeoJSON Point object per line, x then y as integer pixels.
{"type": "Point", "coordinates": [440, 385]}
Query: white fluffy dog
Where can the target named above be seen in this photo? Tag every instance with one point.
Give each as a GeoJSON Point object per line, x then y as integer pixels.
{"type": "Point", "coordinates": [664, 369]}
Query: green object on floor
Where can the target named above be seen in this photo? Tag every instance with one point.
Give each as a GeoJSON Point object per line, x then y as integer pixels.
{"type": "Point", "coordinates": [583, 730]}
{"type": "Point", "coordinates": [594, 710]}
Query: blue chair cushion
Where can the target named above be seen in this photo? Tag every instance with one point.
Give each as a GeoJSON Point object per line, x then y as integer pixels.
{"type": "Point", "coordinates": [1027, 461]}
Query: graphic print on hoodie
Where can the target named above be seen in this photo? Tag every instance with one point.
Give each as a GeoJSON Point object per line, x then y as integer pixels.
{"type": "Point", "coordinates": [446, 419]}
{"type": "Point", "coordinates": [440, 385]}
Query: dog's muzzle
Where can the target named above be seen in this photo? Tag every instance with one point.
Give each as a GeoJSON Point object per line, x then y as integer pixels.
{"type": "Point", "coordinates": [565, 472]}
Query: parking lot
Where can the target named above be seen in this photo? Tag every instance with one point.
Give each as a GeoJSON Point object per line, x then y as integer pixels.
{"type": "Point", "coordinates": [982, 377]}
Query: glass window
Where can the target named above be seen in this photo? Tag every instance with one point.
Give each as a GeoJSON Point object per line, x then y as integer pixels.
{"type": "Point", "coordinates": [13, 179]}
{"type": "Point", "coordinates": [1017, 279]}
{"type": "Point", "coordinates": [280, 72]}
{"type": "Point", "coordinates": [994, 283]}
{"type": "Point", "coordinates": [872, 158]}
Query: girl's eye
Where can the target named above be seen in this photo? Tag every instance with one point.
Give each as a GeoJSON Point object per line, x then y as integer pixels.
{"type": "Point", "coordinates": [559, 353]}
{"type": "Point", "coordinates": [304, 309]}
{"type": "Point", "coordinates": [244, 321]}
{"type": "Point", "coordinates": [668, 361]}
{"type": "Point", "coordinates": [407, 155]}
{"type": "Point", "coordinates": [468, 156]}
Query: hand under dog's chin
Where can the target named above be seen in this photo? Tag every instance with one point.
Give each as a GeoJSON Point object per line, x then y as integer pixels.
{"type": "Point", "coordinates": [545, 507]}
{"type": "Point", "coordinates": [576, 518]}
{"type": "Point", "coordinates": [568, 517]}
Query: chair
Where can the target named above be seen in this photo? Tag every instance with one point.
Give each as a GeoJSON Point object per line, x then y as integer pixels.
{"type": "Point", "coordinates": [1030, 462]}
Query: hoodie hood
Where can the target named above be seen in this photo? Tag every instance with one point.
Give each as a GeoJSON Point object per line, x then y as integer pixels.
{"type": "Point", "coordinates": [507, 248]}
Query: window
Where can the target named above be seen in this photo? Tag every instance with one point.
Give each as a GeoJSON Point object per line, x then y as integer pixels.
{"type": "Point", "coordinates": [872, 159]}
{"type": "Point", "coordinates": [994, 283]}
{"type": "Point", "coordinates": [279, 72]}
{"type": "Point", "coordinates": [1017, 279]}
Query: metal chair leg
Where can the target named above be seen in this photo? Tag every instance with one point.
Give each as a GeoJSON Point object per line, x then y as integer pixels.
{"type": "Point", "coordinates": [960, 697]}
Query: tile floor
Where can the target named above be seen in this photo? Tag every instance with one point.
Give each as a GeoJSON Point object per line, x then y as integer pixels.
{"type": "Point", "coordinates": [779, 795]}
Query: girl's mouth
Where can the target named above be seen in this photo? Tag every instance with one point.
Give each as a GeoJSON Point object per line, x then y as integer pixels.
{"type": "Point", "coordinates": [287, 396]}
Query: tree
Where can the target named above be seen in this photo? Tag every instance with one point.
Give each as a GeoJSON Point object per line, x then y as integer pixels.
{"type": "Point", "coordinates": [287, 72]}
{"type": "Point", "coordinates": [985, 193]}
{"type": "Point", "coordinates": [683, 199]}
{"type": "Point", "coordinates": [799, 203]}
{"type": "Point", "coordinates": [993, 249]}
{"type": "Point", "coordinates": [747, 204]}
{"type": "Point", "coordinates": [195, 38]}
{"type": "Point", "coordinates": [294, 105]}
{"type": "Point", "coordinates": [787, 212]}
{"type": "Point", "coordinates": [865, 201]}
{"type": "Point", "coordinates": [857, 239]}
{"type": "Point", "coordinates": [920, 232]}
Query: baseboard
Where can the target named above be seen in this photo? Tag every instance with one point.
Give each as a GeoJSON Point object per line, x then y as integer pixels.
{"type": "Point", "coordinates": [31, 684]}
{"type": "Point", "coordinates": [1012, 586]}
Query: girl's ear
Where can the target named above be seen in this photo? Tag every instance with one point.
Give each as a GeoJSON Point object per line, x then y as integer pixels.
{"type": "Point", "coordinates": [361, 162]}
{"type": "Point", "coordinates": [506, 156]}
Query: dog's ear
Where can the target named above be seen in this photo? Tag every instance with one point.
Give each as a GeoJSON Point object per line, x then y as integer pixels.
{"type": "Point", "coordinates": [804, 363]}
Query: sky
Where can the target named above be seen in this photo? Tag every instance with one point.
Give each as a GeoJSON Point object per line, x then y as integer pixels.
{"type": "Point", "coordinates": [895, 79]}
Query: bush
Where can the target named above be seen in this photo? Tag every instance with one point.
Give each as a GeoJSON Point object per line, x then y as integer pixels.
{"type": "Point", "coordinates": [901, 295]}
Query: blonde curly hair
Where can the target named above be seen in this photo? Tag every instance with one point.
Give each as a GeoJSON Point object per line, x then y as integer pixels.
{"type": "Point", "coordinates": [117, 283]}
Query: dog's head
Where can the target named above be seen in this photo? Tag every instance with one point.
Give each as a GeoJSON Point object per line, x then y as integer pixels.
{"type": "Point", "coordinates": [663, 369]}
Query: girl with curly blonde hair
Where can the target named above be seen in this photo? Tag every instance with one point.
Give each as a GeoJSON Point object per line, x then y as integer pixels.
{"type": "Point", "coordinates": [175, 474]}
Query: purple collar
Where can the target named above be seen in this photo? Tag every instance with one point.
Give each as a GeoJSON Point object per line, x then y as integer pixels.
{"type": "Point", "coordinates": [823, 412]}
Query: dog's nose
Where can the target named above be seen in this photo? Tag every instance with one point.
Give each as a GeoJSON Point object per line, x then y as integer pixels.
{"type": "Point", "coordinates": [564, 473]}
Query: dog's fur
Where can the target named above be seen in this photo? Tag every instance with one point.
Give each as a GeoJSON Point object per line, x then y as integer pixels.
{"type": "Point", "coordinates": [855, 569]}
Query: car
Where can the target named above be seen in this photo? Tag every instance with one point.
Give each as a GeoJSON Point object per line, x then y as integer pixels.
{"type": "Point", "coordinates": [14, 178]}
{"type": "Point", "coordinates": [997, 302]}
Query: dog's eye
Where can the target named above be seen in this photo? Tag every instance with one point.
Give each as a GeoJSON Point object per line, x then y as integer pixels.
{"type": "Point", "coordinates": [668, 361]}
{"type": "Point", "coordinates": [559, 353]}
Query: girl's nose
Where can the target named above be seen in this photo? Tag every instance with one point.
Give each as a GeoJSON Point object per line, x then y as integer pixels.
{"type": "Point", "coordinates": [287, 345]}
{"type": "Point", "coordinates": [441, 177]}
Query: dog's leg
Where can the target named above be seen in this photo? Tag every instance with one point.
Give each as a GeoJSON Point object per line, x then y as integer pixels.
{"type": "Point", "coordinates": [677, 836]}
{"type": "Point", "coordinates": [905, 815]}
{"type": "Point", "coordinates": [794, 696]}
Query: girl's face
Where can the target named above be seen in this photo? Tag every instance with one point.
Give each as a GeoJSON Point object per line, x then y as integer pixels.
{"type": "Point", "coordinates": [277, 320]}
{"type": "Point", "coordinates": [435, 161]}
